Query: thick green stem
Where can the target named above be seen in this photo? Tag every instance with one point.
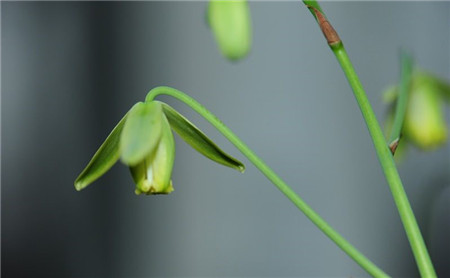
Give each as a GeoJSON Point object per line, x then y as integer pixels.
{"type": "Point", "coordinates": [384, 154]}
{"type": "Point", "coordinates": [387, 163]}
{"type": "Point", "coordinates": [365, 263]}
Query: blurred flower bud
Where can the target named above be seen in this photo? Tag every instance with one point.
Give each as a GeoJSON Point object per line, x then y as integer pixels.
{"type": "Point", "coordinates": [425, 120]}
{"type": "Point", "coordinates": [424, 124]}
{"type": "Point", "coordinates": [230, 23]}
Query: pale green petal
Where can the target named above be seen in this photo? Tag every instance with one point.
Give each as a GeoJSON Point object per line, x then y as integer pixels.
{"type": "Point", "coordinates": [141, 132]}
{"type": "Point", "coordinates": [140, 176]}
{"type": "Point", "coordinates": [198, 140]}
{"type": "Point", "coordinates": [103, 159]}
{"type": "Point", "coordinates": [163, 160]}
{"type": "Point", "coordinates": [153, 174]}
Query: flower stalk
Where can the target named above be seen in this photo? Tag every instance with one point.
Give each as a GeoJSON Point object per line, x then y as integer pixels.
{"type": "Point", "coordinates": [383, 152]}
{"type": "Point", "coordinates": [340, 241]}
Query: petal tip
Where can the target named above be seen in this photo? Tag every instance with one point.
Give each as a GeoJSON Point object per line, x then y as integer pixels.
{"type": "Point", "coordinates": [78, 185]}
{"type": "Point", "coordinates": [241, 168]}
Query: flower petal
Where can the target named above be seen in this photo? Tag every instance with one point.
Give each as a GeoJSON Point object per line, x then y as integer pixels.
{"type": "Point", "coordinates": [141, 132]}
{"type": "Point", "coordinates": [152, 175]}
{"type": "Point", "coordinates": [103, 159]}
{"type": "Point", "coordinates": [164, 159]}
{"type": "Point", "coordinates": [198, 140]}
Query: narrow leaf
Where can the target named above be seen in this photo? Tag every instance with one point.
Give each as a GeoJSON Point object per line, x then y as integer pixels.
{"type": "Point", "coordinates": [198, 140]}
{"type": "Point", "coordinates": [103, 159]}
{"type": "Point", "coordinates": [141, 132]}
{"type": "Point", "coordinates": [400, 108]}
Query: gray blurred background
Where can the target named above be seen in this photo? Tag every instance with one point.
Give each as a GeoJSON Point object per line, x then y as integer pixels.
{"type": "Point", "coordinates": [70, 71]}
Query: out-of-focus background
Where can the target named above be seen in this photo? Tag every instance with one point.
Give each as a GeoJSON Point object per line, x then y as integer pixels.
{"type": "Point", "coordinates": [70, 70]}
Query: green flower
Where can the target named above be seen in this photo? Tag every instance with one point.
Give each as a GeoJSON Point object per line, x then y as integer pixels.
{"type": "Point", "coordinates": [143, 141]}
{"type": "Point", "coordinates": [230, 23]}
{"type": "Point", "coordinates": [424, 125]}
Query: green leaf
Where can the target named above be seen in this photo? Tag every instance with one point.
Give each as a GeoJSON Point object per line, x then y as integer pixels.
{"type": "Point", "coordinates": [198, 140]}
{"type": "Point", "coordinates": [103, 159]}
{"type": "Point", "coordinates": [141, 133]}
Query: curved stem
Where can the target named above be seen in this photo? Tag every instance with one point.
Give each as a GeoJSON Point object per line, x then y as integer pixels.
{"type": "Point", "coordinates": [359, 258]}
{"type": "Point", "coordinates": [384, 154]}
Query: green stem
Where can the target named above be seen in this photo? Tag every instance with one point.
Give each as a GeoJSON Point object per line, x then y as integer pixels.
{"type": "Point", "coordinates": [365, 263]}
{"type": "Point", "coordinates": [400, 108]}
{"type": "Point", "coordinates": [384, 154]}
{"type": "Point", "coordinates": [387, 163]}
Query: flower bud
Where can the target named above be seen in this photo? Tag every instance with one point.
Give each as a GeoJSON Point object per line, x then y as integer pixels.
{"type": "Point", "coordinates": [143, 140]}
{"type": "Point", "coordinates": [424, 120]}
{"type": "Point", "coordinates": [230, 23]}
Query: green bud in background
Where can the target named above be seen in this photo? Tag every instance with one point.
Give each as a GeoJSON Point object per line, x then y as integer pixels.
{"type": "Point", "coordinates": [143, 140]}
{"type": "Point", "coordinates": [424, 124]}
{"type": "Point", "coordinates": [231, 25]}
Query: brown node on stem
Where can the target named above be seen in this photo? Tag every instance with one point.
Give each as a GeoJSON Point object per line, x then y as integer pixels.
{"type": "Point", "coordinates": [393, 145]}
{"type": "Point", "coordinates": [328, 31]}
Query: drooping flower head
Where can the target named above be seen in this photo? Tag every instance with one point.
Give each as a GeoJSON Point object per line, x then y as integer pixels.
{"type": "Point", "coordinates": [143, 140]}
